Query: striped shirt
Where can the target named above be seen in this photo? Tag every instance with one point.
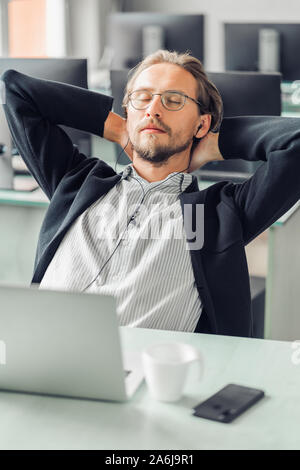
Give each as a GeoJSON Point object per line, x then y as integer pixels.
{"type": "Point", "coordinates": [131, 244]}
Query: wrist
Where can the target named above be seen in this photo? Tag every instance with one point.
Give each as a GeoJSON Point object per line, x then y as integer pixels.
{"type": "Point", "coordinates": [214, 153]}
{"type": "Point", "coordinates": [114, 127]}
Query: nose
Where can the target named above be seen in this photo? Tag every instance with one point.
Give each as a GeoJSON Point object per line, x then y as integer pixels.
{"type": "Point", "coordinates": [155, 107]}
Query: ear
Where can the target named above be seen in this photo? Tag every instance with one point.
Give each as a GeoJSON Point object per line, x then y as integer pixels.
{"type": "Point", "coordinates": [203, 126]}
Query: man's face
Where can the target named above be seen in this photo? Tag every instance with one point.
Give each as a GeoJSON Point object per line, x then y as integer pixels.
{"type": "Point", "coordinates": [174, 130]}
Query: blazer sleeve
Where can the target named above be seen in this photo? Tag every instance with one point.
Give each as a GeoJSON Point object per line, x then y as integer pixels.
{"type": "Point", "coordinates": [35, 108]}
{"type": "Point", "coordinates": [275, 186]}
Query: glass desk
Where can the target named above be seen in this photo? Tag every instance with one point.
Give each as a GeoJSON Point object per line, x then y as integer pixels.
{"type": "Point", "coordinates": [44, 422]}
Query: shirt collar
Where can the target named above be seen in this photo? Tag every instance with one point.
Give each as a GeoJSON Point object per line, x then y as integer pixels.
{"type": "Point", "coordinates": [174, 182]}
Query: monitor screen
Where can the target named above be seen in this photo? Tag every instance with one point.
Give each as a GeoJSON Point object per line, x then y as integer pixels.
{"type": "Point", "coordinates": [70, 71]}
{"type": "Point", "coordinates": [243, 94]}
{"type": "Point", "coordinates": [242, 47]}
{"type": "Point", "coordinates": [249, 93]}
{"type": "Point", "coordinates": [131, 36]}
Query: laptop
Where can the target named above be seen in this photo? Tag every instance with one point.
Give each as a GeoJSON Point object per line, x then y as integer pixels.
{"type": "Point", "coordinates": [64, 343]}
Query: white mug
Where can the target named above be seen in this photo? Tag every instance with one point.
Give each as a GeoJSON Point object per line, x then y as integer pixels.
{"type": "Point", "coordinates": [165, 368]}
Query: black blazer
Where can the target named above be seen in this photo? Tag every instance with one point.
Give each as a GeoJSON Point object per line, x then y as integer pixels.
{"type": "Point", "coordinates": [234, 214]}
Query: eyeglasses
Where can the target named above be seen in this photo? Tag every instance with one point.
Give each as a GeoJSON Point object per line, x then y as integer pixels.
{"type": "Point", "coordinates": [171, 100]}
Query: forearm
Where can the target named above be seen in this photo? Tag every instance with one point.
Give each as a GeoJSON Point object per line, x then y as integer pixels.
{"type": "Point", "coordinates": [254, 138]}
{"type": "Point", "coordinates": [275, 186]}
{"type": "Point", "coordinates": [35, 109]}
{"type": "Point", "coordinates": [56, 102]}
{"type": "Point", "coordinates": [114, 128]}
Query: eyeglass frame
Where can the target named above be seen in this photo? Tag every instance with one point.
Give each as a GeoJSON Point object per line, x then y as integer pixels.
{"type": "Point", "coordinates": [161, 94]}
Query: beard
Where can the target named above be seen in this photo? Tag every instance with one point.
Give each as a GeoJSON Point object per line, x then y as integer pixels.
{"type": "Point", "coordinates": [159, 154]}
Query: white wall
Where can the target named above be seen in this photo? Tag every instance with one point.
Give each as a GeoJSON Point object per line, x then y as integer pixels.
{"type": "Point", "coordinates": [87, 19]}
{"type": "Point", "coordinates": [219, 11]}
{"type": "Point", "coordinates": [56, 28]}
{"type": "Point", "coordinates": [3, 28]}
{"type": "Point", "coordinates": [85, 31]}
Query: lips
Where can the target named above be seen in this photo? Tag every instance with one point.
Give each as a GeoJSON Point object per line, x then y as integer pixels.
{"type": "Point", "coordinates": [153, 129]}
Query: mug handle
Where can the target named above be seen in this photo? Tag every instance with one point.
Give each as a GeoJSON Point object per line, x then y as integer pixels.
{"type": "Point", "coordinates": [199, 359]}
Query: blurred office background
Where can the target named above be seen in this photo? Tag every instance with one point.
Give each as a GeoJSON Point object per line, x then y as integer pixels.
{"type": "Point", "coordinates": [249, 49]}
{"type": "Point", "coordinates": [75, 28]}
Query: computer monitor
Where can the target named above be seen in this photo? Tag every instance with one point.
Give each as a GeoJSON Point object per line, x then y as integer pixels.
{"type": "Point", "coordinates": [130, 36]}
{"type": "Point", "coordinates": [243, 94]}
{"type": "Point", "coordinates": [249, 93]}
{"type": "Point", "coordinates": [70, 71]}
{"type": "Point", "coordinates": [242, 47]}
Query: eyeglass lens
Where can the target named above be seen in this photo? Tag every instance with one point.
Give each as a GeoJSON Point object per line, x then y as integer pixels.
{"type": "Point", "coordinates": [142, 99]}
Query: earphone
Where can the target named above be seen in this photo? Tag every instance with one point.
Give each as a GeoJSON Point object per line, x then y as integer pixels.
{"type": "Point", "coordinates": [199, 127]}
{"type": "Point", "coordinates": [123, 149]}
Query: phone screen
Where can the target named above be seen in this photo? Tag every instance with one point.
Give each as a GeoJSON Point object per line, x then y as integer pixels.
{"type": "Point", "coordinates": [230, 402]}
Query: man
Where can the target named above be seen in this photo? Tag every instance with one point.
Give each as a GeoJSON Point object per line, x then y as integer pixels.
{"type": "Point", "coordinates": [96, 237]}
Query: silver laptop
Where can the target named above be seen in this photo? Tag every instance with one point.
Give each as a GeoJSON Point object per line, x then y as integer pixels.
{"type": "Point", "coordinates": [64, 343]}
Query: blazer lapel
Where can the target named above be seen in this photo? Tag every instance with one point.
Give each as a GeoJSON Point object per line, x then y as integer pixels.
{"type": "Point", "coordinates": [191, 197]}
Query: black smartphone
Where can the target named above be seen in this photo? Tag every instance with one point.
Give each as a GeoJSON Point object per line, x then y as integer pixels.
{"type": "Point", "coordinates": [227, 404]}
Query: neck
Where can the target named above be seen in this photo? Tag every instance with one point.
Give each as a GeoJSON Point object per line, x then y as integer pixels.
{"type": "Point", "coordinates": [156, 172]}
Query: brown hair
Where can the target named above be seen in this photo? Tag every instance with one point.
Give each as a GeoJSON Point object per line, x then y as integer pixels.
{"type": "Point", "coordinates": [208, 93]}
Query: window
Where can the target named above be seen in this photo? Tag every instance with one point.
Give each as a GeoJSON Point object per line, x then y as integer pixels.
{"type": "Point", "coordinates": [27, 28]}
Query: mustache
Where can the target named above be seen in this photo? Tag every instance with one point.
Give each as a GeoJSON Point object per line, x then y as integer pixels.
{"type": "Point", "coordinates": [154, 122]}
